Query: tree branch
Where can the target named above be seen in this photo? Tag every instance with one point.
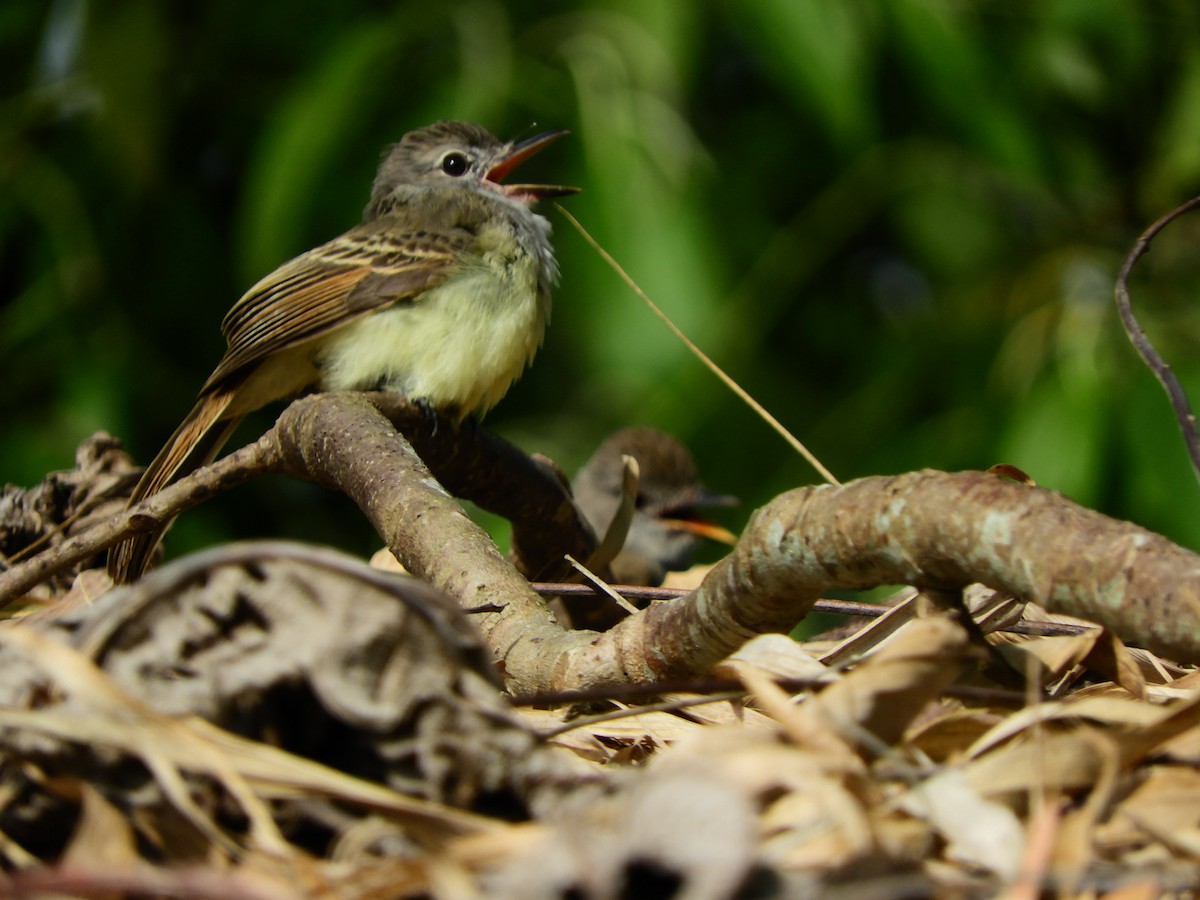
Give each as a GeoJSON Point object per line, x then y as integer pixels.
{"type": "Point", "coordinates": [930, 529]}
{"type": "Point", "coordinates": [342, 439]}
{"type": "Point", "coordinates": [927, 528]}
{"type": "Point", "coordinates": [1162, 371]}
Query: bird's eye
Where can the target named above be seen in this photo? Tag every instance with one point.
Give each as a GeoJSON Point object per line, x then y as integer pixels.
{"type": "Point", "coordinates": [455, 164]}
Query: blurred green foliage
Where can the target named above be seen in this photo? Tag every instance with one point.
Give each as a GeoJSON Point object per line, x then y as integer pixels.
{"type": "Point", "coordinates": [896, 222]}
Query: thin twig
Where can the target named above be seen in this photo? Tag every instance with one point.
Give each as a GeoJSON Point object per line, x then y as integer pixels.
{"type": "Point", "coordinates": [717, 690]}
{"type": "Point", "coordinates": [675, 705]}
{"type": "Point", "coordinates": [1162, 371]}
{"type": "Point", "coordinates": [197, 487]}
{"type": "Point", "coordinates": [702, 356]}
{"type": "Point", "coordinates": [600, 586]}
{"type": "Point", "coordinates": [824, 605]}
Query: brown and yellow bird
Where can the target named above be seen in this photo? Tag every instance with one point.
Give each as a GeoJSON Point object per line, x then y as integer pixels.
{"type": "Point", "coordinates": [442, 294]}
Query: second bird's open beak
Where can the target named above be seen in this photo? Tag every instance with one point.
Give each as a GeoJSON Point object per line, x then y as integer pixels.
{"type": "Point", "coordinates": [686, 516]}
{"type": "Point", "coordinates": [516, 155]}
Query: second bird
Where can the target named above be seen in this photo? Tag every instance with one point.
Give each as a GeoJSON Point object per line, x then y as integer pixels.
{"type": "Point", "coordinates": [442, 294]}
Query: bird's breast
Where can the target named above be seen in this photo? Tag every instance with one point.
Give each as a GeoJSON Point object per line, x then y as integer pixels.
{"type": "Point", "coordinates": [459, 345]}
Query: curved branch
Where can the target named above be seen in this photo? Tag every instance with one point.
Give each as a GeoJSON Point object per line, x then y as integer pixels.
{"type": "Point", "coordinates": [927, 528]}
{"type": "Point", "coordinates": [931, 529]}
{"type": "Point", "coordinates": [342, 439]}
{"type": "Point", "coordinates": [1161, 369]}
{"type": "Point", "coordinates": [495, 475]}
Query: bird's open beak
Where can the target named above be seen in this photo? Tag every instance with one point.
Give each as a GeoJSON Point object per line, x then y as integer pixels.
{"type": "Point", "coordinates": [517, 154]}
{"type": "Point", "coordinates": [703, 528]}
{"type": "Point", "coordinates": [686, 517]}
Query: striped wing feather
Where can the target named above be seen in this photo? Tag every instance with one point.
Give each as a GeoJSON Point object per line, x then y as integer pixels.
{"type": "Point", "coordinates": [362, 271]}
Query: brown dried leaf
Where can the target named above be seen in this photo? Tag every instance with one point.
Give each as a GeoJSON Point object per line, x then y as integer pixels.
{"type": "Point", "coordinates": [887, 692]}
{"type": "Point", "coordinates": [777, 655]}
{"type": "Point", "coordinates": [949, 735]}
{"type": "Point", "coordinates": [978, 831]}
{"type": "Point", "coordinates": [1110, 657]}
{"type": "Point", "coordinates": [102, 835]}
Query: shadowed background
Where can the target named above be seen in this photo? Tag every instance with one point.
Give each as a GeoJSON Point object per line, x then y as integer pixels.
{"type": "Point", "coordinates": [896, 223]}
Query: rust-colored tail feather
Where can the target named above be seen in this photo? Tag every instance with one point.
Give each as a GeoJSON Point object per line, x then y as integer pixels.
{"type": "Point", "coordinates": [194, 444]}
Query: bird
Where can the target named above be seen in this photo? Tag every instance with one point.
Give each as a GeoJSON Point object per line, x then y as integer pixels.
{"type": "Point", "coordinates": [666, 526]}
{"type": "Point", "coordinates": [442, 293]}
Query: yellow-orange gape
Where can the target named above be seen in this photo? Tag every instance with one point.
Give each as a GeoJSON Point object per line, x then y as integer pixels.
{"type": "Point", "coordinates": [442, 294]}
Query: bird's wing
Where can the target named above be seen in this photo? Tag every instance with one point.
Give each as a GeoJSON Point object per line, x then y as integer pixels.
{"type": "Point", "coordinates": [363, 270]}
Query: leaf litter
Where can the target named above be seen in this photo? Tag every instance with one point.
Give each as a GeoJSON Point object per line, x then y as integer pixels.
{"type": "Point", "coordinates": [270, 720]}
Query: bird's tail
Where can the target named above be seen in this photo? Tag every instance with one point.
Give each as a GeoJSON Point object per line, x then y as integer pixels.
{"type": "Point", "coordinates": [194, 444]}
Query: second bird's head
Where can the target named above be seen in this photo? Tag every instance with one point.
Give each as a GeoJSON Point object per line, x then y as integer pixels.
{"type": "Point", "coordinates": [450, 154]}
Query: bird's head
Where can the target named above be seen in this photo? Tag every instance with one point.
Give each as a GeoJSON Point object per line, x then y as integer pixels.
{"type": "Point", "coordinates": [668, 519]}
{"type": "Point", "coordinates": [451, 153]}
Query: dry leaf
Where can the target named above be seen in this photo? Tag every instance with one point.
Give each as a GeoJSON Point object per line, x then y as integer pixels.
{"type": "Point", "coordinates": [978, 831]}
